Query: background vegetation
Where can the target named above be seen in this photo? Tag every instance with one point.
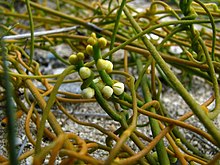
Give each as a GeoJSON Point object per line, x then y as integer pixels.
{"type": "Point", "coordinates": [126, 88]}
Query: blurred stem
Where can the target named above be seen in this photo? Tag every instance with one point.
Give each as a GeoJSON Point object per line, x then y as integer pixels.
{"type": "Point", "coordinates": [42, 103]}
{"type": "Point", "coordinates": [58, 4]}
{"type": "Point", "coordinates": [10, 107]}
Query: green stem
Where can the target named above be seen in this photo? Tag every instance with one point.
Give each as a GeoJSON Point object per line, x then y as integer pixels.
{"type": "Point", "coordinates": [212, 21]}
{"type": "Point", "coordinates": [216, 111]}
{"type": "Point", "coordinates": [97, 55]}
{"type": "Point", "coordinates": [46, 110]}
{"type": "Point", "coordinates": [163, 24]}
{"type": "Point", "coordinates": [130, 129]}
{"type": "Point", "coordinates": [142, 72]}
{"type": "Point", "coordinates": [161, 150]}
{"type": "Point", "coordinates": [113, 114]}
{"type": "Point", "coordinates": [104, 104]}
{"type": "Point", "coordinates": [196, 108]}
{"type": "Point", "coordinates": [32, 31]}
{"type": "Point", "coordinates": [116, 25]}
{"type": "Point", "coordinates": [58, 4]}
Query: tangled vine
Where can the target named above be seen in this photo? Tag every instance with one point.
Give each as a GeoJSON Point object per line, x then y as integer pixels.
{"type": "Point", "coordinates": [95, 33]}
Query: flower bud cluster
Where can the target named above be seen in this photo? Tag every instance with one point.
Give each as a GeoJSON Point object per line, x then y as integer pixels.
{"type": "Point", "coordinates": [92, 40]}
{"type": "Point", "coordinates": [75, 58]}
{"type": "Point", "coordinates": [107, 91]}
{"type": "Point", "coordinates": [102, 42]}
{"type": "Point", "coordinates": [86, 73]}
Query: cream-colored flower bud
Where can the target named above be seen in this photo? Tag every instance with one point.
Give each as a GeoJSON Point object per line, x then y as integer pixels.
{"type": "Point", "coordinates": [89, 50]}
{"type": "Point", "coordinates": [109, 66]}
{"type": "Point", "coordinates": [107, 92]}
{"type": "Point", "coordinates": [80, 56]}
{"type": "Point", "coordinates": [91, 41]}
{"type": "Point", "coordinates": [118, 88]}
{"type": "Point", "coordinates": [102, 42]}
{"type": "Point", "coordinates": [101, 64]}
{"type": "Point", "coordinates": [104, 65]}
{"type": "Point", "coordinates": [84, 72]}
{"type": "Point", "coordinates": [73, 59]}
{"type": "Point", "coordinates": [88, 93]}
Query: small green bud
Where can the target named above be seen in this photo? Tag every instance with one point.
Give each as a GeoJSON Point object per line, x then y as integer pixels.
{"type": "Point", "coordinates": [118, 88]}
{"type": "Point", "coordinates": [80, 56]}
{"type": "Point", "coordinates": [88, 93]}
{"type": "Point", "coordinates": [93, 35]}
{"type": "Point", "coordinates": [84, 72]}
{"type": "Point", "coordinates": [89, 50]}
{"type": "Point", "coordinates": [107, 92]}
{"type": "Point", "coordinates": [102, 42]}
{"type": "Point", "coordinates": [91, 41]}
{"type": "Point", "coordinates": [73, 59]}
